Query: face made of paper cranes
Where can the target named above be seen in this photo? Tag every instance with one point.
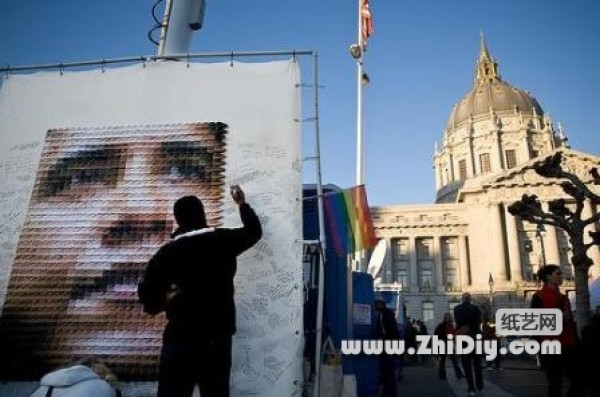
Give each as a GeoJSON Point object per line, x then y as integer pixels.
{"type": "Point", "coordinates": [100, 208]}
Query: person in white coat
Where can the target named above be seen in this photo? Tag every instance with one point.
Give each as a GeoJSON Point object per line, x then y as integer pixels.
{"type": "Point", "coordinates": [77, 381]}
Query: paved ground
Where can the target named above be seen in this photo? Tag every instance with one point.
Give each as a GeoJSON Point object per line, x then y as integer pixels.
{"type": "Point", "coordinates": [519, 378]}
{"type": "Point", "coordinates": [24, 389]}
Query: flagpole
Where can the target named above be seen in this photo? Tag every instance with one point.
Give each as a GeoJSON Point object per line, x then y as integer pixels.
{"type": "Point", "coordinates": [355, 260]}
{"type": "Point", "coordinates": [358, 262]}
{"type": "Point", "coordinates": [359, 122]}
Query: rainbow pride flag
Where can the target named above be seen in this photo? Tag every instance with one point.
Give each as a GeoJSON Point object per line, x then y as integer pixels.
{"type": "Point", "coordinates": [349, 220]}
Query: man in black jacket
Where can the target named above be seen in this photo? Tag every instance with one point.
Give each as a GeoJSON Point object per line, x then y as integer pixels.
{"type": "Point", "coordinates": [468, 322]}
{"type": "Point", "coordinates": [191, 278]}
{"type": "Point", "coordinates": [386, 328]}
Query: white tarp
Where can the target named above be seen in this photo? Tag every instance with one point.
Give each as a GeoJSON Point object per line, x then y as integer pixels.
{"type": "Point", "coordinates": [258, 107]}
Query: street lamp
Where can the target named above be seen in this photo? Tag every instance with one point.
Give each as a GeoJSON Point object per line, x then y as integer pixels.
{"type": "Point", "coordinates": [491, 284]}
{"type": "Point", "coordinates": [540, 232]}
{"type": "Point", "coordinates": [365, 80]}
{"type": "Point", "coordinates": [400, 302]}
{"type": "Point", "coordinates": [355, 51]}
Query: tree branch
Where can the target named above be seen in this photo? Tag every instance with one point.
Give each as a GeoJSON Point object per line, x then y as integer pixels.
{"type": "Point", "coordinates": [595, 237]}
{"type": "Point", "coordinates": [530, 209]}
{"type": "Point", "coordinates": [593, 219]}
{"type": "Point", "coordinates": [550, 167]}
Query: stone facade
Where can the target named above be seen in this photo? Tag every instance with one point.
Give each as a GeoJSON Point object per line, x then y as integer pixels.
{"type": "Point", "coordinates": [467, 240]}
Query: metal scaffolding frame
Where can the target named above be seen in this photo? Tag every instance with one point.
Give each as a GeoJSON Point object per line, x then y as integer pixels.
{"type": "Point", "coordinates": [315, 157]}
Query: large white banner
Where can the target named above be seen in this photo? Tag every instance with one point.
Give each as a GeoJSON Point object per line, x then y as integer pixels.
{"type": "Point", "coordinates": [91, 163]}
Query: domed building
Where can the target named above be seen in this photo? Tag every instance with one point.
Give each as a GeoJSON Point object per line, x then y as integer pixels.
{"type": "Point", "coordinates": [467, 240]}
{"type": "Point", "coordinates": [494, 127]}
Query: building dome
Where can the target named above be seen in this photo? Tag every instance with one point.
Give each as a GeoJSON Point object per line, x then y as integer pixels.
{"type": "Point", "coordinates": [491, 94]}
{"type": "Point", "coordinates": [496, 96]}
{"type": "Point", "coordinates": [493, 128]}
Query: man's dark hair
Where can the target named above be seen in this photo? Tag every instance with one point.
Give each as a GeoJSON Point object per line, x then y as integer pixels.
{"type": "Point", "coordinates": [380, 301]}
{"type": "Point", "coordinates": [189, 213]}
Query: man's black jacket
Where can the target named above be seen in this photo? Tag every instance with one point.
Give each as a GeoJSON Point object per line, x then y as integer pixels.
{"type": "Point", "coordinates": [202, 264]}
{"type": "Point", "coordinates": [386, 326]}
{"type": "Point", "coordinates": [467, 314]}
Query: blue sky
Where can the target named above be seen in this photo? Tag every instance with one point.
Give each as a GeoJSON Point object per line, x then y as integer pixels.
{"type": "Point", "coordinates": [421, 60]}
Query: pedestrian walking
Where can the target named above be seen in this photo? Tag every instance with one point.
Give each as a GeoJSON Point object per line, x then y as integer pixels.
{"type": "Point", "coordinates": [488, 331]}
{"type": "Point", "coordinates": [442, 330]}
{"type": "Point", "coordinates": [589, 353]}
{"type": "Point", "coordinates": [468, 322]}
{"type": "Point", "coordinates": [386, 330]}
{"type": "Point", "coordinates": [555, 366]}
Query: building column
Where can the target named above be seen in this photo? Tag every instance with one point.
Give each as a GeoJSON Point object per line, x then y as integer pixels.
{"type": "Point", "coordinates": [496, 155]}
{"type": "Point", "coordinates": [463, 261]}
{"type": "Point", "coordinates": [551, 242]}
{"type": "Point", "coordinates": [438, 176]}
{"type": "Point", "coordinates": [514, 250]}
{"type": "Point", "coordinates": [388, 266]}
{"type": "Point", "coordinates": [471, 158]}
{"type": "Point", "coordinates": [500, 153]}
{"type": "Point", "coordinates": [594, 251]}
{"type": "Point", "coordinates": [498, 269]}
{"type": "Point", "coordinates": [413, 274]}
{"type": "Point", "coordinates": [438, 274]}
{"type": "Point", "coordinates": [524, 147]}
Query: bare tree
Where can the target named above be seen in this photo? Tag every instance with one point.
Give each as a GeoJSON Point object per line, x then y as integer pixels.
{"type": "Point", "coordinates": [561, 216]}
